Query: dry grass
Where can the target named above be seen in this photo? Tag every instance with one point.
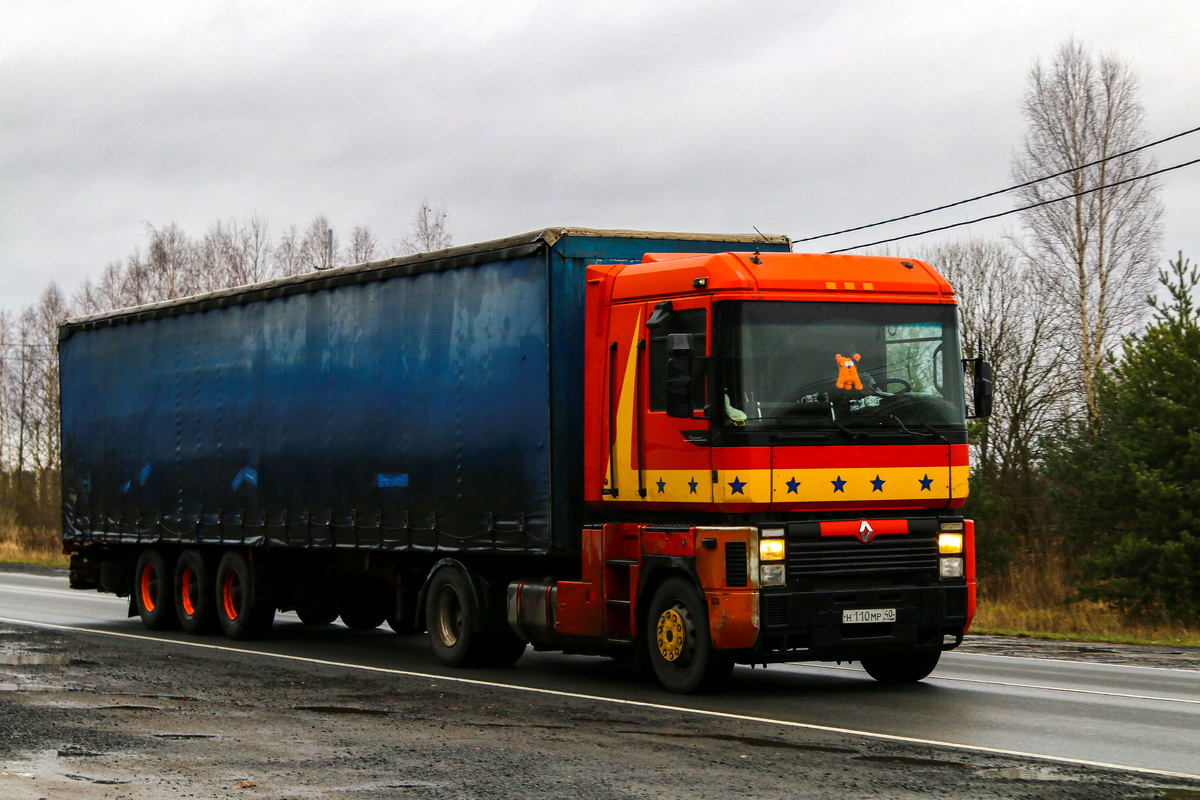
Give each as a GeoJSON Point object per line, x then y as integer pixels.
{"type": "Point", "coordinates": [1037, 598]}
{"type": "Point", "coordinates": [36, 546]}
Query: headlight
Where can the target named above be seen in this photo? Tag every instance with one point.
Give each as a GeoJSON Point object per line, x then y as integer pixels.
{"type": "Point", "coordinates": [950, 567]}
{"type": "Point", "coordinates": [771, 549]}
{"type": "Point", "coordinates": [949, 543]}
{"type": "Point", "coordinates": [772, 575]}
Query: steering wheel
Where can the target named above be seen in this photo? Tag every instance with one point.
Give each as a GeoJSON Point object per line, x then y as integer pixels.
{"type": "Point", "coordinates": [905, 385]}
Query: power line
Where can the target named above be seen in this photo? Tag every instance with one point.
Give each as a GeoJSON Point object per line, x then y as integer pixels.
{"type": "Point", "coordinates": [997, 192]}
{"type": "Point", "coordinates": [1022, 208]}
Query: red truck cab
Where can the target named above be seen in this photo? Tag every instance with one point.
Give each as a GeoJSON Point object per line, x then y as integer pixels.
{"type": "Point", "coordinates": [776, 452]}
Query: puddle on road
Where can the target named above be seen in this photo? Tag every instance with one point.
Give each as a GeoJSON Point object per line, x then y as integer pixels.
{"type": "Point", "coordinates": [914, 762]}
{"type": "Point", "coordinates": [750, 741]}
{"type": "Point", "coordinates": [37, 659]}
{"type": "Point", "coordinates": [184, 735]}
{"type": "Point", "coordinates": [375, 712]}
{"type": "Point", "coordinates": [1025, 774]}
{"type": "Point", "coordinates": [97, 781]}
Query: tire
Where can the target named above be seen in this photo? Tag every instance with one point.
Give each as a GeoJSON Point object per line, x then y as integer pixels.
{"type": "Point", "coordinates": [153, 593]}
{"type": "Point", "coordinates": [450, 615]}
{"type": "Point", "coordinates": [903, 668]}
{"type": "Point", "coordinates": [362, 617]}
{"type": "Point", "coordinates": [679, 647]}
{"type": "Point", "coordinates": [364, 605]}
{"type": "Point", "coordinates": [195, 594]}
{"type": "Point", "coordinates": [244, 605]}
{"type": "Point", "coordinates": [316, 609]}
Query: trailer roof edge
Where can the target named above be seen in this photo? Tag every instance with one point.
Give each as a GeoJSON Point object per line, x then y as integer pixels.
{"type": "Point", "coordinates": [449, 258]}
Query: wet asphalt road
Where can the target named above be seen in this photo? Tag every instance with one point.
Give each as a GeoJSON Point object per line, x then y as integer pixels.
{"type": "Point", "coordinates": [1144, 718]}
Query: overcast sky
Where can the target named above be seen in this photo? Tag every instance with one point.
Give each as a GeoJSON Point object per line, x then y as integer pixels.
{"type": "Point", "coordinates": [796, 117]}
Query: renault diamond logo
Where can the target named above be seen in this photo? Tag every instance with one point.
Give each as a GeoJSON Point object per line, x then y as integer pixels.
{"type": "Point", "coordinates": [865, 532]}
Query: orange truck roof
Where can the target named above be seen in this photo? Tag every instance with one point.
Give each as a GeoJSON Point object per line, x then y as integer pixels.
{"type": "Point", "coordinates": [870, 278]}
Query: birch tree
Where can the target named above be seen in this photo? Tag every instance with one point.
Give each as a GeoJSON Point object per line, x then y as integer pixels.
{"type": "Point", "coordinates": [1092, 257]}
{"type": "Point", "coordinates": [429, 231]}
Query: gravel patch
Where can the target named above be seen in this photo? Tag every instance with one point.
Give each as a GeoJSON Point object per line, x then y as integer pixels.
{"type": "Point", "coordinates": [87, 718]}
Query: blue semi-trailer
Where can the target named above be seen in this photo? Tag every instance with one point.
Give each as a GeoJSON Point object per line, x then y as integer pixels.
{"type": "Point", "coordinates": [406, 440]}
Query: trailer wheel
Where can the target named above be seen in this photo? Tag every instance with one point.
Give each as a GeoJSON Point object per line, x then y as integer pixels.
{"type": "Point", "coordinates": [317, 609]}
{"type": "Point", "coordinates": [680, 648]}
{"type": "Point", "coordinates": [905, 668]}
{"type": "Point", "coordinates": [152, 591]}
{"type": "Point", "coordinates": [450, 614]}
{"type": "Point", "coordinates": [364, 603]}
{"type": "Point", "coordinates": [244, 606]}
{"type": "Point", "coordinates": [195, 594]}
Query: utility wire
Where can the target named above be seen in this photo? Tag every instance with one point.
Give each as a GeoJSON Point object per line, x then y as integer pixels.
{"type": "Point", "coordinates": [997, 192]}
{"type": "Point", "coordinates": [1022, 208]}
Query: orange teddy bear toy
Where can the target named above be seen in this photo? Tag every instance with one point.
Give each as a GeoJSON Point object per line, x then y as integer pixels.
{"type": "Point", "coordinates": [848, 372]}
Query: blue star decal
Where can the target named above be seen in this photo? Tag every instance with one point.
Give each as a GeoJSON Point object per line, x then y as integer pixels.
{"type": "Point", "coordinates": [692, 485]}
{"type": "Point", "coordinates": [926, 482]}
{"type": "Point", "coordinates": [877, 484]}
{"type": "Point", "coordinates": [839, 485]}
{"type": "Point", "coordinates": [737, 486]}
{"type": "Point", "coordinates": [793, 486]}
{"type": "Point", "coordinates": [662, 486]}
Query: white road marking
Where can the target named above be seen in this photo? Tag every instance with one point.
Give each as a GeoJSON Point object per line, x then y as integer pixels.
{"type": "Point", "coordinates": [938, 678]}
{"type": "Point", "coordinates": [631, 703]}
{"type": "Point", "coordinates": [75, 594]}
{"type": "Point", "coordinates": [959, 654]}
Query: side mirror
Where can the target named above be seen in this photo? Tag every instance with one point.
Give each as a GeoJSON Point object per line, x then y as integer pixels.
{"type": "Point", "coordinates": [983, 389]}
{"type": "Point", "coordinates": [679, 375]}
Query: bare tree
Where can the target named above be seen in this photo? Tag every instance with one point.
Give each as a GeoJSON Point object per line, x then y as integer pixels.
{"type": "Point", "coordinates": [254, 241]}
{"type": "Point", "coordinates": [363, 246]}
{"type": "Point", "coordinates": [315, 245]}
{"type": "Point", "coordinates": [171, 268]}
{"type": "Point", "coordinates": [1004, 314]}
{"type": "Point", "coordinates": [429, 231]}
{"type": "Point", "coordinates": [285, 256]}
{"type": "Point", "coordinates": [1092, 256]}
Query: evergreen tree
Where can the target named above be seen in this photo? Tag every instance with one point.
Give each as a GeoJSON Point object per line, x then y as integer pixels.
{"type": "Point", "coordinates": [1128, 486]}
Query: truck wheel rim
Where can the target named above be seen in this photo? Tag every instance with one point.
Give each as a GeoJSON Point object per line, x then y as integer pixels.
{"type": "Point", "coordinates": [149, 586]}
{"type": "Point", "coordinates": [231, 595]}
{"type": "Point", "coordinates": [672, 635]}
{"type": "Point", "coordinates": [185, 591]}
{"type": "Point", "coordinates": [449, 617]}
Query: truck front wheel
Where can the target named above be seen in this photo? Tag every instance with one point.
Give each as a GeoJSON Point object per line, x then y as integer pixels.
{"type": "Point", "coordinates": [244, 605]}
{"type": "Point", "coordinates": [680, 648]}
{"type": "Point", "coordinates": [153, 591]}
{"type": "Point", "coordinates": [905, 668]}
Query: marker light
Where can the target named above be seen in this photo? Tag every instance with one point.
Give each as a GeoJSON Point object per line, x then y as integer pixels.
{"type": "Point", "coordinates": [772, 575]}
{"type": "Point", "coordinates": [770, 549]}
{"type": "Point", "coordinates": [950, 567]}
{"type": "Point", "coordinates": [949, 543]}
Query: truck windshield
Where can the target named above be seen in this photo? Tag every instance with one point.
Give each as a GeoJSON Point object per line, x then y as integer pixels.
{"type": "Point", "coordinates": [840, 366]}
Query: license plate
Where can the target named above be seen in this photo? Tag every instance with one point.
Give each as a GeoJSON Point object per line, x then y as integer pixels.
{"type": "Point", "coordinates": [856, 615]}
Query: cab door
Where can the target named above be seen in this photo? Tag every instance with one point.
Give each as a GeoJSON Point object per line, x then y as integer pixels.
{"type": "Point", "coordinates": [674, 452]}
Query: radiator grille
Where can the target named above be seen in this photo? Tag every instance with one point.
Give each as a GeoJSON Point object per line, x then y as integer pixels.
{"type": "Point", "coordinates": [956, 602]}
{"type": "Point", "coordinates": [736, 566]}
{"type": "Point", "coordinates": [775, 610]}
{"type": "Point", "coordinates": [844, 556]}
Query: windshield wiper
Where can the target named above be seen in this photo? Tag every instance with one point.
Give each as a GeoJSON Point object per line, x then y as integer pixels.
{"type": "Point", "coordinates": [849, 433]}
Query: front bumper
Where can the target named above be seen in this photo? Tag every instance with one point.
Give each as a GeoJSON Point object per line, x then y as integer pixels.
{"type": "Point", "coordinates": [807, 626]}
